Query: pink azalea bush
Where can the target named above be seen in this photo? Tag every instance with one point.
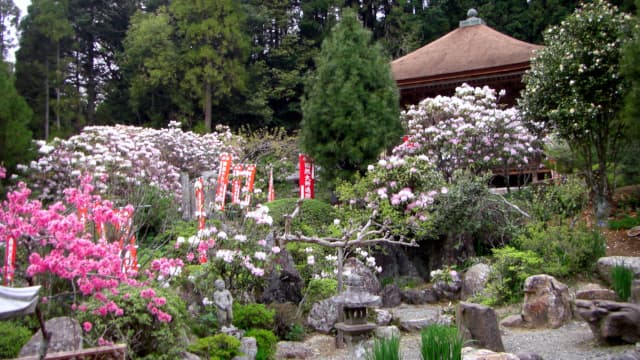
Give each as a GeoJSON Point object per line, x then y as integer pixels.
{"type": "Point", "coordinates": [468, 130]}
{"type": "Point", "coordinates": [123, 157]}
{"type": "Point", "coordinates": [76, 240]}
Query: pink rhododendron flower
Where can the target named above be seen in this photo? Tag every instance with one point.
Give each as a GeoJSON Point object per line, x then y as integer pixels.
{"type": "Point", "coordinates": [87, 326]}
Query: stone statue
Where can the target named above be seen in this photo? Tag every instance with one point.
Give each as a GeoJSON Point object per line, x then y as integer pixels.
{"type": "Point", "coordinates": [223, 301]}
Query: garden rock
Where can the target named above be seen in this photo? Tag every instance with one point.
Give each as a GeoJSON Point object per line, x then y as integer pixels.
{"type": "Point", "coordinates": [387, 332]}
{"type": "Point", "coordinates": [479, 323]}
{"type": "Point", "coordinates": [529, 356]}
{"type": "Point", "coordinates": [323, 315]}
{"type": "Point", "coordinates": [249, 348]}
{"type": "Point", "coordinates": [391, 296]}
{"type": "Point", "coordinates": [189, 356]}
{"type": "Point", "coordinates": [475, 280]}
{"type": "Point", "coordinates": [469, 353]}
{"type": "Point", "coordinates": [611, 322]}
{"type": "Point", "coordinates": [418, 297]}
{"type": "Point", "coordinates": [546, 302]}
{"type": "Point", "coordinates": [627, 355]}
{"type": "Point", "coordinates": [395, 263]}
{"type": "Point", "coordinates": [449, 289]}
{"type": "Point", "coordinates": [635, 291]}
{"type": "Point", "coordinates": [371, 284]}
{"type": "Point", "coordinates": [595, 292]}
{"type": "Point", "coordinates": [293, 350]}
{"type": "Point", "coordinates": [513, 321]}
{"type": "Point", "coordinates": [415, 318]}
{"type": "Point", "coordinates": [606, 264]}
{"type": "Point", "coordinates": [383, 317]}
{"type": "Point", "coordinates": [66, 335]}
{"type": "Point", "coordinates": [284, 285]}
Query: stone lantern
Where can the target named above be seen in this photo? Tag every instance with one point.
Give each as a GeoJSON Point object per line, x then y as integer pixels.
{"type": "Point", "coordinates": [354, 302]}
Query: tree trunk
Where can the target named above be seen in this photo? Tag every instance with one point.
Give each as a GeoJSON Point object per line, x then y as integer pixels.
{"type": "Point", "coordinates": [58, 125]}
{"type": "Point", "coordinates": [46, 100]}
{"type": "Point", "coordinates": [207, 106]}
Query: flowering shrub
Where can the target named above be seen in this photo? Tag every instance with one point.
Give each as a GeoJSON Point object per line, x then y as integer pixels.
{"type": "Point", "coordinates": [77, 240]}
{"type": "Point", "coordinates": [467, 131]}
{"type": "Point", "coordinates": [150, 322]}
{"type": "Point", "coordinates": [446, 275]}
{"type": "Point", "coordinates": [124, 157]}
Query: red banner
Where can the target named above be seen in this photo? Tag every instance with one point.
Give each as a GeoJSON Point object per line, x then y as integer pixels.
{"type": "Point", "coordinates": [200, 212]}
{"type": "Point", "coordinates": [131, 256]}
{"type": "Point", "coordinates": [271, 195]}
{"type": "Point", "coordinates": [307, 175]}
{"type": "Point", "coordinates": [236, 184]}
{"type": "Point", "coordinates": [249, 183]}
{"type": "Point", "coordinates": [223, 179]}
{"type": "Point", "coordinates": [9, 260]}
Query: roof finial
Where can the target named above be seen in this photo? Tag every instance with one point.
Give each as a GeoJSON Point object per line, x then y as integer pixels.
{"type": "Point", "coordinates": [472, 19]}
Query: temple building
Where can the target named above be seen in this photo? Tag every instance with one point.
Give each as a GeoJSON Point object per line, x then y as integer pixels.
{"type": "Point", "coordinates": [473, 53]}
{"type": "Point", "coordinates": [478, 55]}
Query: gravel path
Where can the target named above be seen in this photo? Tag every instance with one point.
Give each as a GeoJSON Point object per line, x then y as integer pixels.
{"type": "Point", "coordinates": [573, 341]}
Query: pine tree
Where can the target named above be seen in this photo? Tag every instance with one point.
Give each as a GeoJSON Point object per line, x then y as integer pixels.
{"type": "Point", "coordinates": [350, 110]}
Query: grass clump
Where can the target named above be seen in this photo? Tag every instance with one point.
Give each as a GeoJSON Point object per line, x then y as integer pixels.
{"type": "Point", "coordinates": [622, 278]}
{"type": "Point", "coordinates": [627, 222]}
{"type": "Point", "coordinates": [385, 349]}
{"type": "Point", "coordinates": [441, 342]}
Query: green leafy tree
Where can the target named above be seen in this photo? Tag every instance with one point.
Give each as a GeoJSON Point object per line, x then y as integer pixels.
{"type": "Point", "coordinates": [350, 110]}
{"type": "Point", "coordinates": [214, 49]}
{"type": "Point", "coordinates": [574, 88]}
{"type": "Point", "coordinates": [15, 137]}
{"type": "Point", "coordinates": [150, 58]}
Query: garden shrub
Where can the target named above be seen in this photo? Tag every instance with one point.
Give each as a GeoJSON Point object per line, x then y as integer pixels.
{"type": "Point", "coordinates": [545, 201]}
{"type": "Point", "coordinates": [145, 335]}
{"type": "Point", "coordinates": [384, 349]}
{"type": "Point", "coordinates": [622, 278]}
{"type": "Point", "coordinates": [510, 269]}
{"type": "Point", "coordinates": [267, 342]}
{"type": "Point", "coordinates": [313, 217]}
{"type": "Point", "coordinates": [205, 325]}
{"type": "Point", "coordinates": [287, 325]}
{"type": "Point", "coordinates": [13, 337]}
{"type": "Point", "coordinates": [252, 316]}
{"type": "Point", "coordinates": [216, 347]}
{"type": "Point", "coordinates": [318, 289]}
{"type": "Point", "coordinates": [627, 222]}
{"type": "Point", "coordinates": [566, 250]}
{"type": "Point", "coordinates": [441, 342]}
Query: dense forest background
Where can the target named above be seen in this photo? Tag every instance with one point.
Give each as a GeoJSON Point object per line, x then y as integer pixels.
{"type": "Point", "coordinates": [208, 62]}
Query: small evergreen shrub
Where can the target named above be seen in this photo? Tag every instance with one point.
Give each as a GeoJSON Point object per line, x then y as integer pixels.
{"type": "Point", "coordinates": [287, 325]}
{"type": "Point", "coordinates": [566, 250]}
{"type": "Point", "coordinates": [625, 223]}
{"type": "Point", "coordinates": [314, 214]}
{"type": "Point", "coordinates": [622, 278]}
{"type": "Point", "coordinates": [205, 325]}
{"type": "Point", "coordinates": [545, 201]}
{"type": "Point", "coordinates": [318, 289]}
{"type": "Point", "coordinates": [252, 316]}
{"type": "Point", "coordinates": [266, 340]}
{"type": "Point", "coordinates": [219, 347]}
{"type": "Point", "coordinates": [384, 349]}
{"type": "Point", "coordinates": [12, 338]}
{"type": "Point", "coordinates": [510, 269]}
{"type": "Point", "coordinates": [441, 342]}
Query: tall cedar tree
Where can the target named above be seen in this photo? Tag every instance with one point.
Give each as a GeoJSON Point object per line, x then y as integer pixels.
{"type": "Point", "coordinates": [215, 49]}
{"type": "Point", "coordinates": [574, 88]}
{"type": "Point", "coordinates": [15, 114]}
{"type": "Point", "coordinates": [350, 109]}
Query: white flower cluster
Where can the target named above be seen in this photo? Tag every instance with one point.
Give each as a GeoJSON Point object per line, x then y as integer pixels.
{"type": "Point", "coordinates": [127, 156]}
